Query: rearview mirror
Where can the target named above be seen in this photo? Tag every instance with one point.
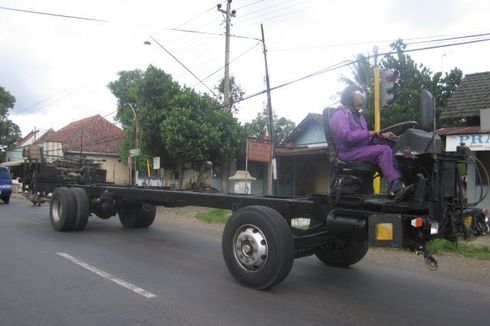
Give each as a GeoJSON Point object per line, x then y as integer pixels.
{"type": "Point", "coordinates": [427, 110]}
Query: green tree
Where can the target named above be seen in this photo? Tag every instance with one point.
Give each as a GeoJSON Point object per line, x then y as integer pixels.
{"type": "Point", "coordinates": [236, 93]}
{"type": "Point", "coordinates": [413, 78]}
{"type": "Point", "coordinates": [200, 132]}
{"type": "Point", "coordinates": [282, 127]}
{"type": "Point", "coordinates": [9, 131]}
{"type": "Point", "coordinates": [144, 100]}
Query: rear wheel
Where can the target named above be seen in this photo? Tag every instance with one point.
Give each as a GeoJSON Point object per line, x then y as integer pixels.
{"type": "Point", "coordinates": [82, 208]}
{"type": "Point", "coordinates": [62, 210]}
{"type": "Point", "coordinates": [258, 247]}
{"type": "Point", "coordinates": [343, 253]}
{"type": "Point", "coordinates": [136, 215]}
{"type": "Point", "coordinates": [6, 200]}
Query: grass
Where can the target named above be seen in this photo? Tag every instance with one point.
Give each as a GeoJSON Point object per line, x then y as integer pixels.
{"type": "Point", "coordinates": [215, 216]}
{"type": "Point", "coordinates": [462, 248]}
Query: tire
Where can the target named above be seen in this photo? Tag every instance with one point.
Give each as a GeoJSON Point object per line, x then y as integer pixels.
{"type": "Point", "coordinates": [82, 208]}
{"type": "Point", "coordinates": [258, 247]}
{"type": "Point", "coordinates": [6, 200]}
{"type": "Point", "coordinates": [344, 253]}
{"type": "Point", "coordinates": [62, 209]}
{"type": "Point", "coordinates": [136, 215]}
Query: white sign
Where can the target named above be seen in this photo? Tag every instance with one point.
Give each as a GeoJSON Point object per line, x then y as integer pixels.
{"type": "Point", "coordinates": [156, 162]}
{"type": "Point", "coordinates": [476, 142]}
{"type": "Point", "coordinates": [134, 152]}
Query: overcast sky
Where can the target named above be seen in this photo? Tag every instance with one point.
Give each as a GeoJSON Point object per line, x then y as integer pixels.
{"type": "Point", "coordinates": [58, 68]}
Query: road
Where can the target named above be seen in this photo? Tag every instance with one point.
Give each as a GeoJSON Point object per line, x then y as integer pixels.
{"type": "Point", "coordinates": [169, 275]}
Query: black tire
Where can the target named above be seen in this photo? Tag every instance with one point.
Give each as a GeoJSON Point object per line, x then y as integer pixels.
{"type": "Point", "coordinates": [136, 215]}
{"type": "Point", "coordinates": [343, 253]}
{"type": "Point", "coordinates": [62, 209]}
{"type": "Point", "coordinates": [258, 247]}
{"type": "Point", "coordinates": [82, 208]}
{"type": "Point", "coordinates": [6, 200]}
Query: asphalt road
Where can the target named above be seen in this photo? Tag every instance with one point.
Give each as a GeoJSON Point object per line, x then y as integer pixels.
{"type": "Point", "coordinates": [164, 275]}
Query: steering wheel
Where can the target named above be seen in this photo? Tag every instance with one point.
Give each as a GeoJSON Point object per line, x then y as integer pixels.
{"type": "Point", "coordinates": [405, 125]}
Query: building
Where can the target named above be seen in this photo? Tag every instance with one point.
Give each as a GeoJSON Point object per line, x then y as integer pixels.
{"type": "Point", "coordinates": [303, 167]}
{"type": "Point", "coordinates": [93, 138]}
{"type": "Point", "coordinates": [471, 102]}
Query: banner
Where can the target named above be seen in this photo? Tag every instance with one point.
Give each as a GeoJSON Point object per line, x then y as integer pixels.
{"type": "Point", "coordinates": [259, 151]}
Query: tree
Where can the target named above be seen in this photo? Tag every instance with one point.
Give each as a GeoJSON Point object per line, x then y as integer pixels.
{"type": "Point", "coordinates": [236, 93]}
{"type": "Point", "coordinates": [144, 100]}
{"type": "Point", "coordinates": [201, 132]}
{"type": "Point", "coordinates": [256, 128]}
{"type": "Point", "coordinates": [174, 122]}
{"type": "Point", "coordinates": [9, 131]}
{"type": "Point", "coordinates": [413, 78]}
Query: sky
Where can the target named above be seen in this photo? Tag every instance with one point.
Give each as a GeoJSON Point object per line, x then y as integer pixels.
{"type": "Point", "coordinates": [58, 68]}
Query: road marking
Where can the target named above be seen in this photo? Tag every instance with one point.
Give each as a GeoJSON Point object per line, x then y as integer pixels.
{"type": "Point", "coordinates": [108, 276]}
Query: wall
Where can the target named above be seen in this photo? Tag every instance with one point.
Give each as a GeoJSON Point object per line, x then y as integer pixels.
{"type": "Point", "coordinates": [314, 134]}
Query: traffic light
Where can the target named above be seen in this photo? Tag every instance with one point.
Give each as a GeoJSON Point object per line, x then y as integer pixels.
{"type": "Point", "coordinates": [388, 84]}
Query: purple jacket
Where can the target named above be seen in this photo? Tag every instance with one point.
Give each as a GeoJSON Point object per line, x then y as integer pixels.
{"type": "Point", "coordinates": [348, 131]}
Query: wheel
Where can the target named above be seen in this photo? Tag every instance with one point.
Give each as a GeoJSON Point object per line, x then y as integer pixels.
{"type": "Point", "coordinates": [62, 209]}
{"type": "Point", "coordinates": [343, 253]}
{"type": "Point", "coordinates": [136, 215]}
{"type": "Point", "coordinates": [258, 247]}
{"type": "Point", "coordinates": [82, 208]}
{"type": "Point", "coordinates": [6, 200]}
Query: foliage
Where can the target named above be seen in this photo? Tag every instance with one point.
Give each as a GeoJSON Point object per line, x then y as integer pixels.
{"type": "Point", "coordinates": [236, 93]}
{"type": "Point", "coordinates": [200, 132]}
{"type": "Point", "coordinates": [215, 216]}
{"type": "Point", "coordinates": [174, 122]}
{"type": "Point", "coordinates": [256, 128]}
{"type": "Point", "coordinates": [463, 248]}
{"type": "Point", "coordinates": [414, 77]}
{"type": "Point", "coordinates": [9, 131]}
{"type": "Point", "coordinates": [151, 94]}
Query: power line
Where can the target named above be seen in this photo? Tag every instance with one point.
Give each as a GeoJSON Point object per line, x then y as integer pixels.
{"type": "Point", "coordinates": [115, 22]}
{"type": "Point", "coordinates": [346, 63]}
{"type": "Point", "coordinates": [185, 67]}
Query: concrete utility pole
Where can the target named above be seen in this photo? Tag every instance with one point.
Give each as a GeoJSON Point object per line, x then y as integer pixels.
{"type": "Point", "coordinates": [228, 13]}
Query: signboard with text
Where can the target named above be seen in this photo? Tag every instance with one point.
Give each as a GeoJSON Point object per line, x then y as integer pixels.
{"type": "Point", "coordinates": [259, 151]}
{"type": "Point", "coordinates": [476, 142]}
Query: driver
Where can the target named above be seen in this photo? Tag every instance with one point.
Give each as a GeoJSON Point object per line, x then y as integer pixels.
{"type": "Point", "coordinates": [355, 142]}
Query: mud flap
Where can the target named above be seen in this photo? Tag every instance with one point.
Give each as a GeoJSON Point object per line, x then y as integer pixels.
{"type": "Point", "coordinates": [385, 230]}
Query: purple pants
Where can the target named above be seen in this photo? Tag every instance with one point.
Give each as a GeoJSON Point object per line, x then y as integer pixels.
{"type": "Point", "coordinates": [382, 155]}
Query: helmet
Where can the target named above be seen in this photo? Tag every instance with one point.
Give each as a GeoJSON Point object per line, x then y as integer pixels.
{"type": "Point", "coordinates": [348, 94]}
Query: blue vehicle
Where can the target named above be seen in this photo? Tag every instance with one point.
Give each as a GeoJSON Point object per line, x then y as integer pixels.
{"type": "Point", "coordinates": [5, 185]}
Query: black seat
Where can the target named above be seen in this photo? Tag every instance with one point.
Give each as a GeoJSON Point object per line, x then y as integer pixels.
{"type": "Point", "coordinates": [348, 177]}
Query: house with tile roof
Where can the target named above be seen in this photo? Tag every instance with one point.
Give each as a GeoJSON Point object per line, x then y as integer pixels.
{"type": "Point", "coordinates": [471, 101]}
{"type": "Point", "coordinates": [93, 138]}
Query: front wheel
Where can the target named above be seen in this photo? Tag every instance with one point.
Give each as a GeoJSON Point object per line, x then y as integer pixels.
{"type": "Point", "coordinates": [342, 253]}
{"type": "Point", "coordinates": [258, 247]}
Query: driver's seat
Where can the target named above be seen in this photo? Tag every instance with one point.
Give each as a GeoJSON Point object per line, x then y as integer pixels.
{"type": "Point", "coordinates": [347, 177]}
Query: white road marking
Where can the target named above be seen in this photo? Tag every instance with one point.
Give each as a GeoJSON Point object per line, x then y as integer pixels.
{"type": "Point", "coordinates": [108, 276]}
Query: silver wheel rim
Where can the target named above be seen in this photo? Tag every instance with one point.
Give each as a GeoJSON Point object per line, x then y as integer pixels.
{"type": "Point", "coordinates": [250, 248]}
{"type": "Point", "coordinates": [56, 209]}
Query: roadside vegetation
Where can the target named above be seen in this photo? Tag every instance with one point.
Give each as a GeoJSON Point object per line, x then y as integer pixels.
{"type": "Point", "coordinates": [215, 216]}
{"type": "Point", "coordinates": [465, 249]}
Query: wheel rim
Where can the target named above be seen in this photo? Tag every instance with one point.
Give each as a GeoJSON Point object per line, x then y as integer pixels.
{"type": "Point", "coordinates": [250, 248]}
{"type": "Point", "coordinates": [56, 210]}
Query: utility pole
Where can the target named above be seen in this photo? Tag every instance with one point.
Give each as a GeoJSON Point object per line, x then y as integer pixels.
{"type": "Point", "coordinates": [377, 109]}
{"type": "Point", "coordinates": [228, 13]}
{"type": "Point", "coordinates": [269, 116]}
